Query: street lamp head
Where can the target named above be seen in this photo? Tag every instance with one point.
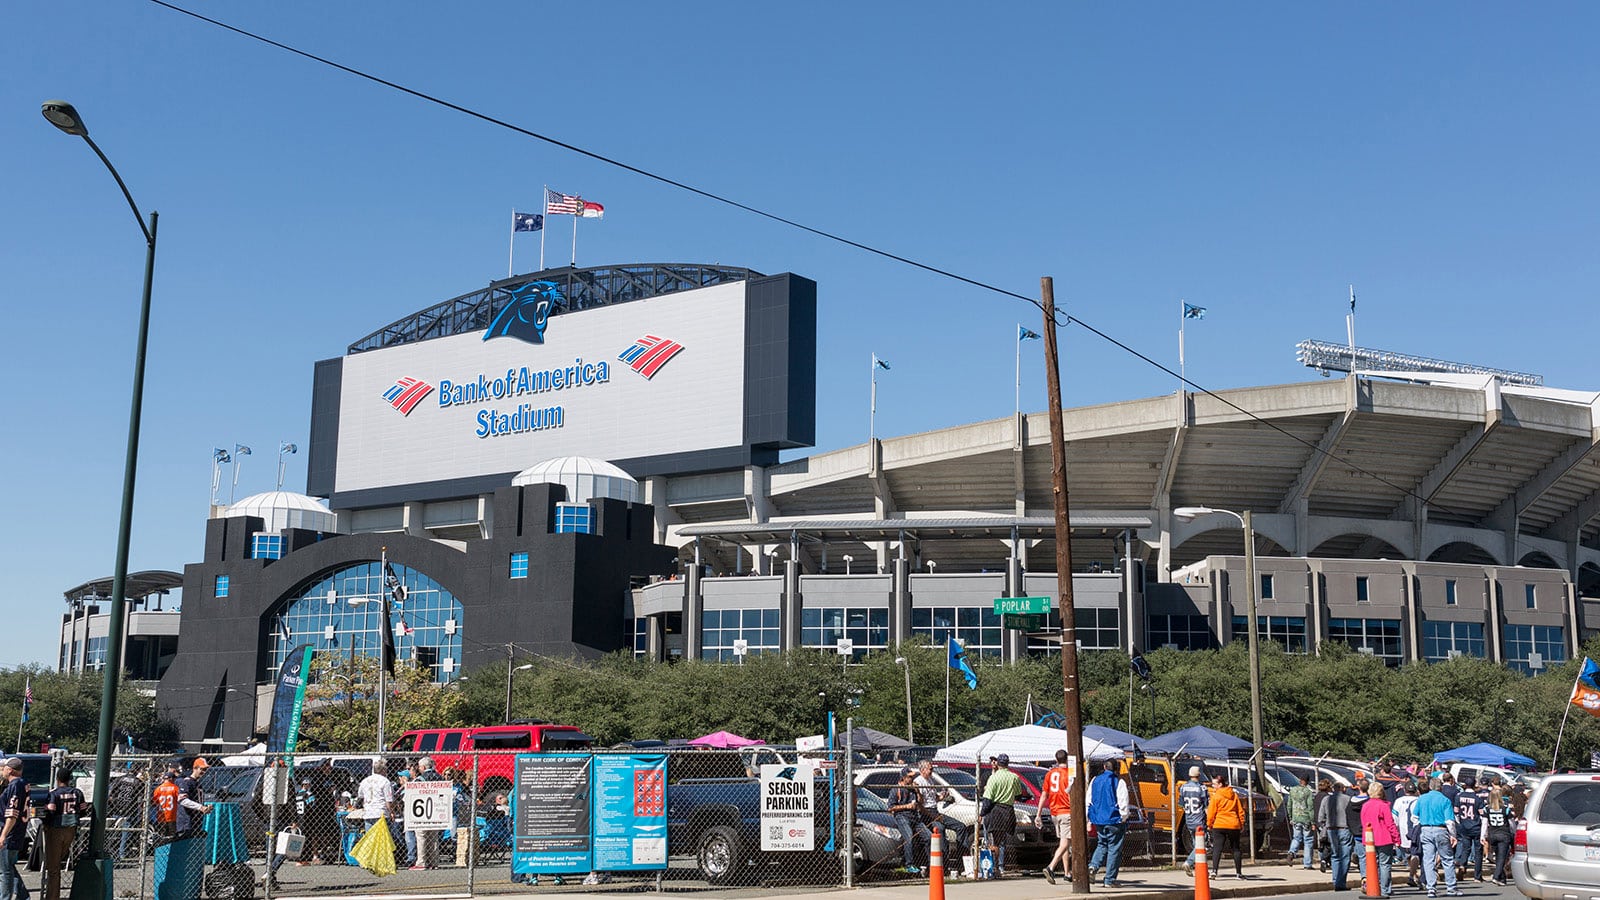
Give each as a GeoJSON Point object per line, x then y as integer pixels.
{"type": "Point", "coordinates": [1192, 512]}
{"type": "Point", "coordinates": [899, 660]}
{"type": "Point", "coordinates": [63, 116]}
{"type": "Point", "coordinates": [524, 668]}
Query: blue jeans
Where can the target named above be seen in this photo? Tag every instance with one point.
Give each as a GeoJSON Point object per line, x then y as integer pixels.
{"type": "Point", "coordinates": [911, 829]}
{"type": "Point", "coordinates": [411, 848]}
{"type": "Point", "coordinates": [1469, 852]}
{"type": "Point", "coordinates": [1341, 845]}
{"type": "Point", "coordinates": [10, 879]}
{"type": "Point", "coordinates": [1386, 860]}
{"type": "Point", "coordinates": [1303, 836]}
{"type": "Point", "coordinates": [1436, 850]}
{"type": "Point", "coordinates": [1107, 850]}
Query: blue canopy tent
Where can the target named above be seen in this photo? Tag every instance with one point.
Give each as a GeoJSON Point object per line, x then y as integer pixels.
{"type": "Point", "coordinates": [1207, 743]}
{"type": "Point", "coordinates": [1484, 754]}
{"type": "Point", "coordinates": [1119, 739]}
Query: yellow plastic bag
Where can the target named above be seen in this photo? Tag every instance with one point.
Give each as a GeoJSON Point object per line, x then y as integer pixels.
{"type": "Point", "coordinates": [375, 850]}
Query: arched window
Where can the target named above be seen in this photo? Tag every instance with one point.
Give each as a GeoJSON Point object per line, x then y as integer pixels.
{"type": "Point", "coordinates": [340, 613]}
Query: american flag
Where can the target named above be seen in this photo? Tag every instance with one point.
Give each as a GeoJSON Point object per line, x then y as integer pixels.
{"type": "Point", "coordinates": [559, 204]}
{"type": "Point", "coordinates": [27, 698]}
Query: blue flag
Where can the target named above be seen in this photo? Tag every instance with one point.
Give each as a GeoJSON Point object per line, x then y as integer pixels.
{"type": "Point", "coordinates": [1190, 311]}
{"type": "Point", "coordinates": [1590, 674]}
{"type": "Point", "coordinates": [526, 222]}
{"type": "Point", "coordinates": [958, 661]}
{"type": "Point", "coordinates": [1024, 334]}
{"type": "Point", "coordinates": [879, 363]}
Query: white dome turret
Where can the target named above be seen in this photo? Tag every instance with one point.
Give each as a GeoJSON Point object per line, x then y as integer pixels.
{"type": "Point", "coordinates": [285, 509]}
{"type": "Point", "coordinates": [584, 479]}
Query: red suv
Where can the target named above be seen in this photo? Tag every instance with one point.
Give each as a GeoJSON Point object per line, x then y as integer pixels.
{"type": "Point", "coordinates": [494, 746]}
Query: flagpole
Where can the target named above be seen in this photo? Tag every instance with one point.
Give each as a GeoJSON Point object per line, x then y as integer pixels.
{"type": "Point", "coordinates": [1183, 380]}
{"type": "Point", "coordinates": [1017, 409]}
{"type": "Point", "coordinates": [383, 670]}
{"type": "Point", "coordinates": [575, 217]}
{"type": "Point", "coordinates": [1350, 328]}
{"type": "Point", "coordinates": [234, 489]}
{"type": "Point", "coordinates": [511, 252]}
{"type": "Point", "coordinates": [541, 229]}
{"type": "Point", "coordinates": [947, 691]}
{"type": "Point", "coordinates": [872, 415]}
{"type": "Point", "coordinates": [22, 717]}
{"type": "Point", "coordinates": [1564, 713]}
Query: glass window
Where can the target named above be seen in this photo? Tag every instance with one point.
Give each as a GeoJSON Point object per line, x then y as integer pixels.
{"type": "Point", "coordinates": [1450, 592]}
{"type": "Point", "coordinates": [1362, 592]}
{"type": "Point", "coordinates": [1378, 637]}
{"type": "Point", "coordinates": [1442, 640]}
{"type": "Point", "coordinates": [452, 741]}
{"type": "Point", "coordinates": [867, 628]}
{"type": "Point", "coordinates": [1530, 595]}
{"type": "Point", "coordinates": [95, 652]}
{"type": "Point", "coordinates": [1531, 649]}
{"type": "Point", "coordinates": [1288, 631]}
{"type": "Point", "coordinates": [1097, 628]}
{"type": "Point", "coordinates": [1184, 632]}
{"type": "Point", "coordinates": [574, 518]}
{"type": "Point", "coordinates": [519, 564]}
{"type": "Point", "coordinates": [428, 743]}
{"type": "Point", "coordinates": [1266, 587]}
{"type": "Point", "coordinates": [222, 586]}
{"type": "Point", "coordinates": [266, 546]}
{"type": "Point", "coordinates": [976, 627]}
{"type": "Point", "coordinates": [638, 631]}
{"type": "Point", "coordinates": [343, 610]}
{"type": "Point", "coordinates": [719, 628]}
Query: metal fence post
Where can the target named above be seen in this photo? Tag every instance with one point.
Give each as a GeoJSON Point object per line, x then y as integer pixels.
{"type": "Point", "coordinates": [272, 823]}
{"type": "Point", "coordinates": [144, 823]}
{"type": "Point", "coordinates": [472, 832]}
{"type": "Point", "coordinates": [849, 843]}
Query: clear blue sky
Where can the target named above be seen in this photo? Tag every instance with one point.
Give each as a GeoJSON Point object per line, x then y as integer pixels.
{"type": "Point", "coordinates": [1251, 158]}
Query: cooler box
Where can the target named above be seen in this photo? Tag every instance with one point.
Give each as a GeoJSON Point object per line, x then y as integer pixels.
{"type": "Point", "coordinates": [180, 869]}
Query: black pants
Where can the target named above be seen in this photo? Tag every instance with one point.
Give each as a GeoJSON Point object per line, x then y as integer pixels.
{"type": "Point", "coordinates": [1500, 846]}
{"type": "Point", "coordinates": [1228, 840]}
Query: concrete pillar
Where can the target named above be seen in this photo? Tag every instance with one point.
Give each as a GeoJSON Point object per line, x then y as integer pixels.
{"type": "Point", "coordinates": [789, 606]}
{"type": "Point", "coordinates": [1133, 598]}
{"type": "Point", "coordinates": [655, 639]}
{"type": "Point", "coordinates": [693, 604]}
{"type": "Point", "coordinates": [1412, 620]}
{"type": "Point", "coordinates": [411, 519]}
{"type": "Point", "coordinates": [1014, 643]}
{"type": "Point", "coordinates": [900, 603]}
{"type": "Point", "coordinates": [1491, 585]}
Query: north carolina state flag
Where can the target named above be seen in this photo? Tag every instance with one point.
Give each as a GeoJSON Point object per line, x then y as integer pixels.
{"type": "Point", "coordinates": [1586, 690]}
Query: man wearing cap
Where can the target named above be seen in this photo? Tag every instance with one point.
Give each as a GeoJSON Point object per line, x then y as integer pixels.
{"type": "Point", "coordinates": [1000, 822]}
{"type": "Point", "coordinates": [192, 808]}
{"type": "Point", "coordinates": [14, 805]}
{"type": "Point", "coordinates": [903, 805]}
{"type": "Point", "coordinates": [1302, 822]}
{"type": "Point", "coordinates": [1193, 799]}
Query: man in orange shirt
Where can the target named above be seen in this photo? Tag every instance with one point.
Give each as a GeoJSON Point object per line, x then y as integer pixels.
{"type": "Point", "coordinates": [1058, 798]}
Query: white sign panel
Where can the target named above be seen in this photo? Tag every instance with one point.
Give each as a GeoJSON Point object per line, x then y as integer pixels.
{"type": "Point", "coordinates": [429, 805]}
{"type": "Point", "coordinates": [788, 807]}
{"type": "Point", "coordinates": [646, 378]}
{"type": "Point", "coordinates": [810, 742]}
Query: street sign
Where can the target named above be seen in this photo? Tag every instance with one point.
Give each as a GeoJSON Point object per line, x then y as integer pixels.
{"type": "Point", "coordinates": [1015, 605]}
{"type": "Point", "coordinates": [1023, 621]}
{"type": "Point", "coordinates": [429, 805]}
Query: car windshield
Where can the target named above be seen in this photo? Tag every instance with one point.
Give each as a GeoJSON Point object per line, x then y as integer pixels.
{"type": "Point", "coordinates": [867, 801]}
{"type": "Point", "coordinates": [1285, 777]}
{"type": "Point", "coordinates": [1572, 803]}
{"type": "Point", "coordinates": [36, 770]}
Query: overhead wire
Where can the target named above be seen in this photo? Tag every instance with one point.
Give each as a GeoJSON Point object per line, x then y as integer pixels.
{"type": "Point", "coordinates": [1061, 320]}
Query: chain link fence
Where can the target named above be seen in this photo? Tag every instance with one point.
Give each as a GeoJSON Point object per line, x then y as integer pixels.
{"type": "Point", "coordinates": [476, 823]}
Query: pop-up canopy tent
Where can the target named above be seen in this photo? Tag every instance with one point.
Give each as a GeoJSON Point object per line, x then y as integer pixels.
{"type": "Point", "coordinates": [1484, 755]}
{"type": "Point", "coordinates": [871, 740]}
{"type": "Point", "coordinates": [723, 740]}
{"type": "Point", "coordinates": [1207, 743]}
{"type": "Point", "coordinates": [1112, 736]}
{"type": "Point", "coordinates": [1024, 744]}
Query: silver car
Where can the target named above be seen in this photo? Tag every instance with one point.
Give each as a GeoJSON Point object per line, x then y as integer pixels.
{"type": "Point", "coordinates": [1556, 855]}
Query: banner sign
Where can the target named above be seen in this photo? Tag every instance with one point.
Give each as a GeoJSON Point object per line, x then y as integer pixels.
{"type": "Point", "coordinates": [288, 701]}
{"type": "Point", "coordinates": [630, 812]}
{"type": "Point", "coordinates": [788, 807]}
{"type": "Point", "coordinates": [430, 805]}
{"type": "Point", "coordinates": [551, 829]}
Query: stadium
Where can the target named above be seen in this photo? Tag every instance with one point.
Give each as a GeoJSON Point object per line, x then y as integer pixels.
{"type": "Point", "coordinates": [584, 460]}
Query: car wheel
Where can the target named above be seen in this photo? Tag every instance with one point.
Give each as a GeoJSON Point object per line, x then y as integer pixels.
{"type": "Point", "coordinates": [720, 855]}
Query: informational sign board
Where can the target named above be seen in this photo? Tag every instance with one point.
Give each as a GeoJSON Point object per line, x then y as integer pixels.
{"type": "Point", "coordinates": [1003, 605]}
{"type": "Point", "coordinates": [1023, 621]}
{"type": "Point", "coordinates": [788, 807]}
{"type": "Point", "coordinates": [630, 812]}
{"type": "Point", "coordinates": [550, 813]}
{"type": "Point", "coordinates": [810, 742]}
{"type": "Point", "coordinates": [430, 805]}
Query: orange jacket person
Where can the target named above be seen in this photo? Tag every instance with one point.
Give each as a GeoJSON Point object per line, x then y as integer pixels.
{"type": "Point", "coordinates": [1224, 818]}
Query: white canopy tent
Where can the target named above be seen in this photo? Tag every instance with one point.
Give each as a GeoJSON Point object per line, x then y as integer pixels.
{"type": "Point", "coordinates": [1024, 744]}
{"type": "Point", "coordinates": [254, 755]}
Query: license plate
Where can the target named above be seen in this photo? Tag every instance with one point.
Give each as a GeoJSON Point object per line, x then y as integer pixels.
{"type": "Point", "coordinates": [1591, 853]}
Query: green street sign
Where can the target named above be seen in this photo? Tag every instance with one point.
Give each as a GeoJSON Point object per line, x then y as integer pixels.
{"type": "Point", "coordinates": [1023, 621]}
{"type": "Point", "coordinates": [1004, 605]}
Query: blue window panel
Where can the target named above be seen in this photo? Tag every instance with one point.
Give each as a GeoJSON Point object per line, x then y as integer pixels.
{"type": "Point", "coordinates": [266, 546]}
{"type": "Point", "coordinates": [222, 586]}
{"type": "Point", "coordinates": [1442, 640]}
{"type": "Point", "coordinates": [519, 564]}
{"type": "Point", "coordinates": [574, 518]}
{"type": "Point", "coordinates": [1450, 592]}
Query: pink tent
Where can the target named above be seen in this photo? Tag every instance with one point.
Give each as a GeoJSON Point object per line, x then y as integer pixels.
{"type": "Point", "coordinates": [723, 740]}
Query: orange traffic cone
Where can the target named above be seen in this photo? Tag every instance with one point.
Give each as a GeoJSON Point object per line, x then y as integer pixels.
{"type": "Point", "coordinates": [1373, 888]}
{"type": "Point", "coordinates": [1202, 876]}
{"type": "Point", "coordinates": [936, 865]}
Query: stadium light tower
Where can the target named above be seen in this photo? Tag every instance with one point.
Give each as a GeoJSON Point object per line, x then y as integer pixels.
{"type": "Point", "coordinates": [94, 880]}
{"type": "Point", "coordinates": [1189, 513]}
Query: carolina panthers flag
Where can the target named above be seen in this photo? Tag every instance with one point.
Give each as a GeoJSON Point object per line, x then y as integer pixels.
{"type": "Point", "coordinates": [958, 661]}
{"type": "Point", "coordinates": [1586, 690]}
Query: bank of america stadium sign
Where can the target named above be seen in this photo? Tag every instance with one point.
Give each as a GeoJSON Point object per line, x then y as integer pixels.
{"type": "Point", "coordinates": [523, 386]}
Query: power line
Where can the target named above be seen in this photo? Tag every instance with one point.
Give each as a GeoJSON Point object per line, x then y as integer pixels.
{"type": "Point", "coordinates": [1062, 319]}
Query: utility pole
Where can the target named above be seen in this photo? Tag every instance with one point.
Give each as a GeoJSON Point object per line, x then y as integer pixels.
{"type": "Point", "coordinates": [1070, 705]}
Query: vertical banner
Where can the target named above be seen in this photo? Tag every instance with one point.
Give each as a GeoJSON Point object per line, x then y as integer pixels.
{"type": "Point", "coordinates": [550, 814]}
{"type": "Point", "coordinates": [288, 701]}
{"type": "Point", "coordinates": [788, 807]}
{"type": "Point", "coordinates": [630, 812]}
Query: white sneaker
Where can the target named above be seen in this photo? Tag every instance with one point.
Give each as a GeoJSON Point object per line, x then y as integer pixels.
{"type": "Point", "coordinates": [592, 878]}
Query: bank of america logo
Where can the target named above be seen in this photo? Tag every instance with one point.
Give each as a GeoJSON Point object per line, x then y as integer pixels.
{"type": "Point", "coordinates": [648, 354]}
{"type": "Point", "coordinates": [406, 394]}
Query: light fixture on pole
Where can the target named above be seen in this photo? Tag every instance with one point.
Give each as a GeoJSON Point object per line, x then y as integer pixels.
{"type": "Point", "coordinates": [848, 559]}
{"type": "Point", "coordinates": [511, 670]}
{"type": "Point", "coordinates": [906, 664]}
{"type": "Point", "coordinates": [98, 884]}
{"type": "Point", "coordinates": [1188, 513]}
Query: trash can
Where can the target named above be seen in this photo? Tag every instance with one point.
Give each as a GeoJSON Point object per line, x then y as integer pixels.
{"type": "Point", "coordinates": [180, 868]}
{"type": "Point", "coordinates": [225, 843]}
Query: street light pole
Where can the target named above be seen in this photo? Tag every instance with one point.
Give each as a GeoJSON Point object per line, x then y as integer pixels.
{"type": "Point", "coordinates": [84, 884]}
{"type": "Point", "coordinates": [1251, 633]}
{"type": "Point", "coordinates": [906, 663]}
{"type": "Point", "coordinates": [510, 669]}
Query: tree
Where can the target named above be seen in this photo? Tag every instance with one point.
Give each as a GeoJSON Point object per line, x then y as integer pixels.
{"type": "Point", "coordinates": [66, 712]}
{"type": "Point", "coordinates": [342, 705]}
